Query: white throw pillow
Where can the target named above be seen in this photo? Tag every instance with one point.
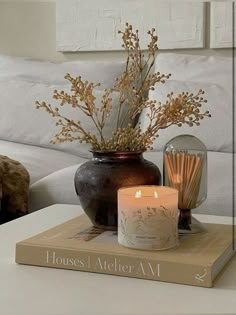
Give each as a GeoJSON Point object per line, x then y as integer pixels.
{"type": "Point", "coordinates": [191, 73]}
{"type": "Point", "coordinates": [209, 69]}
{"type": "Point", "coordinates": [22, 122]}
{"type": "Point", "coordinates": [23, 81]}
{"type": "Point", "coordinates": [39, 71]}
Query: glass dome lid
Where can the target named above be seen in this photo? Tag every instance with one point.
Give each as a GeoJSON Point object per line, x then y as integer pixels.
{"type": "Point", "coordinates": [185, 168]}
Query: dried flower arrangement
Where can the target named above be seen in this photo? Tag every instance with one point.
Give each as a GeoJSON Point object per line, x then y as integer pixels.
{"type": "Point", "coordinates": [132, 86]}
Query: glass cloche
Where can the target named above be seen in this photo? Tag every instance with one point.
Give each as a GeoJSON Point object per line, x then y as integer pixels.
{"type": "Point", "coordinates": [185, 168]}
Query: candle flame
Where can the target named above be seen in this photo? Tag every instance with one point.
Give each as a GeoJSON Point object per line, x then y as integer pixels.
{"type": "Point", "coordinates": [177, 179]}
{"type": "Point", "coordinates": [155, 194]}
{"type": "Point", "coordinates": [138, 194]}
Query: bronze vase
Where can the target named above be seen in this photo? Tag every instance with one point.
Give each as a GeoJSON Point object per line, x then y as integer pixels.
{"type": "Point", "coordinates": [97, 182]}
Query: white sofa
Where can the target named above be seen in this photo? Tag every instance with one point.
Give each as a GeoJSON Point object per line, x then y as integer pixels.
{"type": "Point", "coordinates": [25, 132]}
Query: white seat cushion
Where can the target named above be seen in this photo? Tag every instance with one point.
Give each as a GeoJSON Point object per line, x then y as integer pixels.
{"type": "Point", "coordinates": [54, 188]}
{"type": "Point", "coordinates": [39, 161]}
{"type": "Point", "coordinates": [59, 186]}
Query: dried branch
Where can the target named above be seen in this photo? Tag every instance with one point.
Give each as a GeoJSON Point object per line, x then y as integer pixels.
{"type": "Point", "coordinates": [133, 86]}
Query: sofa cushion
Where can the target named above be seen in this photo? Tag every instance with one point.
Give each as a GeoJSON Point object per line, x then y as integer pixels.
{"type": "Point", "coordinates": [58, 187]}
{"type": "Point", "coordinates": [23, 123]}
{"type": "Point", "coordinates": [23, 81]}
{"type": "Point", "coordinates": [210, 69]}
{"type": "Point", "coordinates": [191, 73]}
{"type": "Point", "coordinates": [48, 72]}
{"type": "Point", "coordinates": [39, 162]}
{"type": "Point", "coordinates": [215, 132]}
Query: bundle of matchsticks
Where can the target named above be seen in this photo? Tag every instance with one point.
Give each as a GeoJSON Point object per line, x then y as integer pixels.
{"type": "Point", "coordinates": [184, 172]}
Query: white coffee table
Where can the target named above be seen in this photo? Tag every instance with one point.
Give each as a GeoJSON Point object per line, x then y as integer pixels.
{"type": "Point", "coordinates": [29, 290]}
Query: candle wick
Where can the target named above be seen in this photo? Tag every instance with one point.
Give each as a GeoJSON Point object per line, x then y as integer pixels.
{"type": "Point", "coordinates": [138, 194]}
{"type": "Point", "coordinates": [155, 194]}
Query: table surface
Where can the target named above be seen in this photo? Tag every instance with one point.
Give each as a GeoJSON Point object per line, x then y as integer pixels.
{"type": "Point", "coordinates": [30, 290]}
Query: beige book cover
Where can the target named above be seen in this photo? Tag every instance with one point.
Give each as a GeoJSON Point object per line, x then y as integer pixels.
{"type": "Point", "coordinates": [77, 245]}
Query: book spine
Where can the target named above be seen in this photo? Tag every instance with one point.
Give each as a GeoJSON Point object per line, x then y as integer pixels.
{"type": "Point", "coordinates": [128, 266]}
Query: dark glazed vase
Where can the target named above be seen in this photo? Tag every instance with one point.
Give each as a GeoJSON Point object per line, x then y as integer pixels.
{"type": "Point", "coordinates": [97, 182]}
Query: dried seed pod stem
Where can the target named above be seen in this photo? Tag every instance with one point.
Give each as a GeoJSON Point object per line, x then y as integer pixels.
{"type": "Point", "coordinates": [132, 86]}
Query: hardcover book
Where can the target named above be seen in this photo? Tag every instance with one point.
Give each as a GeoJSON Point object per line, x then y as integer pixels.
{"type": "Point", "coordinates": [78, 245]}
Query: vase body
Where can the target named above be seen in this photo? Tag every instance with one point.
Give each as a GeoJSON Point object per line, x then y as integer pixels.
{"type": "Point", "coordinates": [98, 180]}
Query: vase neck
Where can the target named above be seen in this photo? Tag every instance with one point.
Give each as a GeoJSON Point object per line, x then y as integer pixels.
{"type": "Point", "coordinates": [116, 156]}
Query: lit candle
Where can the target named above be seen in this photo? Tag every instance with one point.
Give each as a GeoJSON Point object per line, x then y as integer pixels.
{"type": "Point", "coordinates": [148, 217]}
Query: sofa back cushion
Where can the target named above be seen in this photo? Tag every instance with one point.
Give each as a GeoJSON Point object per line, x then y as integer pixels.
{"type": "Point", "coordinates": [191, 73]}
{"type": "Point", "coordinates": [23, 81]}
{"type": "Point", "coordinates": [39, 71]}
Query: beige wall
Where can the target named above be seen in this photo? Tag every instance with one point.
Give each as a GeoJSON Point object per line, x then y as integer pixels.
{"type": "Point", "coordinates": [28, 28]}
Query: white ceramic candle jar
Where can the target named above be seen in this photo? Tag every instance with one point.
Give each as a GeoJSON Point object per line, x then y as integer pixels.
{"type": "Point", "coordinates": [148, 217]}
